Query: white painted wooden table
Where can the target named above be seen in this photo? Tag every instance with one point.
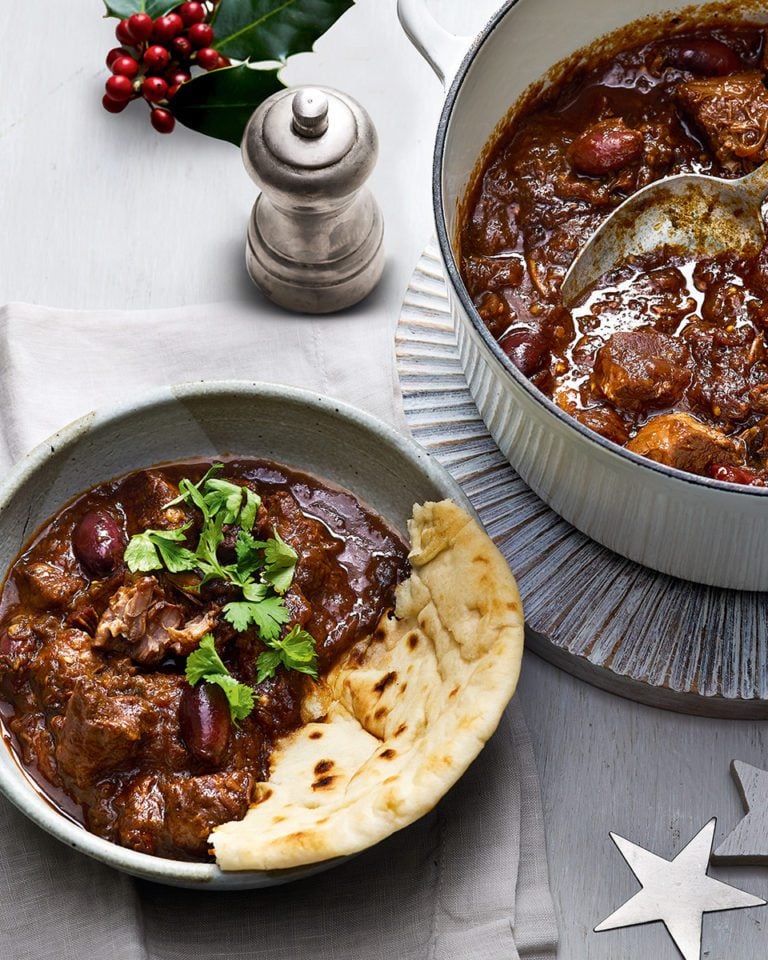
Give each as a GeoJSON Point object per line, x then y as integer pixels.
{"type": "Point", "coordinates": [98, 211]}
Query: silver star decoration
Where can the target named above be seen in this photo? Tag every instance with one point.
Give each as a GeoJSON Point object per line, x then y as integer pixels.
{"type": "Point", "coordinates": [677, 892]}
{"type": "Point", "coordinates": [748, 843]}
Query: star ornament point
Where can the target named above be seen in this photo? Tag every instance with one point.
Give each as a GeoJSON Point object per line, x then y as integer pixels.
{"type": "Point", "coordinates": [676, 892]}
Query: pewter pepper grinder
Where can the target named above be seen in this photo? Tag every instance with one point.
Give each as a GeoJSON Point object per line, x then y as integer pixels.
{"type": "Point", "coordinates": [315, 233]}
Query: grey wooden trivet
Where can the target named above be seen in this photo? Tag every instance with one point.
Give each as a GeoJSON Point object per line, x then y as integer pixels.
{"type": "Point", "coordinates": [652, 638]}
{"type": "Point", "coordinates": [748, 842]}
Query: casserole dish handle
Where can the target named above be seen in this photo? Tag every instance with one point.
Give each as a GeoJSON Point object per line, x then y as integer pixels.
{"type": "Point", "coordinates": [442, 49]}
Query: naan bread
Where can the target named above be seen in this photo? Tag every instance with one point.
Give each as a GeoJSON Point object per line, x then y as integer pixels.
{"type": "Point", "coordinates": [405, 711]}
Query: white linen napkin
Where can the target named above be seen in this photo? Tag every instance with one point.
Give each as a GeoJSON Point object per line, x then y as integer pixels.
{"type": "Point", "coordinates": [468, 882]}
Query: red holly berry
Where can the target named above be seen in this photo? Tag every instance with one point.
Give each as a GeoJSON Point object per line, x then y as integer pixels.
{"type": "Point", "coordinates": [140, 26]}
{"type": "Point", "coordinates": [172, 91]}
{"type": "Point", "coordinates": [162, 120]}
{"type": "Point", "coordinates": [123, 34]}
{"type": "Point", "coordinates": [200, 35]}
{"type": "Point", "coordinates": [167, 27]}
{"type": "Point", "coordinates": [192, 13]}
{"type": "Point", "coordinates": [208, 58]}
{"type": "Point", "coordinates": [113, 106]}
{"type": "Point", "coordinates": [176, 77]}
{"type": "Point", "coordinates": [181, 48]}
{"type": "Point", "coordinates": [154, 89]}
{"type": "Point", "coordinates": [116, 52]}
{"type": "Point", "coordinates": [156, 58]}
{"type": "Point", "coordinates": [125, 67]}
{"type": "Point", "coordinates": [119, 88]}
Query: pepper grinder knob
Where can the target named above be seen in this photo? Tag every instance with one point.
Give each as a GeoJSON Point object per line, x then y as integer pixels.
{"type": "Point", "coordinates": [315, 237]}
{"type": "Point", "coordinates": [310, 113]}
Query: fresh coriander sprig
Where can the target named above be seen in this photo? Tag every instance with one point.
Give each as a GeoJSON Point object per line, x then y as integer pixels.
{"type": "Point", "coordinates": [296, 651]}
{"type": "Point", "coordinates": [263, 570]}
{"type": "Point", "coordinates": [216, 497]}
{"type": "Point", "coordinates": [206, 664]}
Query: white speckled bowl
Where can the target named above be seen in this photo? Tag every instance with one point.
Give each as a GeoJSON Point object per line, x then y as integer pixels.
{"type": "Point", "coordinates": [330, 439]}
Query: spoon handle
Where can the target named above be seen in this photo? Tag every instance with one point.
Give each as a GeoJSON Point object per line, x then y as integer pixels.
{"type": "Point", "coordinates": [755, 184]}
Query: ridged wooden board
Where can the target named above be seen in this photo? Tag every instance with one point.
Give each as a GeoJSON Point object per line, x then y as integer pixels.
{"type": "Point", "coordinates": [610, 621]}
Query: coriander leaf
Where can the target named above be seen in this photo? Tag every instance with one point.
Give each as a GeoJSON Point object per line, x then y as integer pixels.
{"type": "Point", "coordinates": [239, 695]}
{"type": "Point", "coordinates": [300, 651]}
{"type": "Point", "coordinates": [153, 548]}
{"type": "Point", "coordinates": [267, 664]}
{"type": "Point", "coordinates": [176, 559]}
{"type": "Point", "coordinates": [141, 554]}
{"type": "Point", "coordinates": [210, 538]}
{"type": "Point", "coordinates": [250, 511]}
{"type": "Point", "coordinates": [267, 615]}
{"type": "Point", "coordinates": [238, 613]}
{"type": "Point", "coordinates": [184, 495]}
{"type": "Point", "coordinates": [226, 496]}
{"type": "Point", "coordinates": [280, 561]}
{"type": "Point", "coordinates": [192, 493]}
{"type": "Point", "coordinates": [250, 557]}
{"type": "Point", "coordinates": [255, 592]}
{"type": "Point", "coordinates": [204, 662]}
{"type": "Point", "coordinates": [296, 651]}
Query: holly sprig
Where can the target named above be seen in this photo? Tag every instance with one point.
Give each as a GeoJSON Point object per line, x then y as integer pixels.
{"type": "Point", "coordinates": [240, 45]}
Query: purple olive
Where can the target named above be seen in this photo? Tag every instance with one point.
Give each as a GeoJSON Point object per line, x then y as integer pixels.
{"type": "Point", "coordinates": [525, 348]}
{"type": "Point", "coordinates": [204, 721]}
{"type": "Point", "coordinates": [98, 543]}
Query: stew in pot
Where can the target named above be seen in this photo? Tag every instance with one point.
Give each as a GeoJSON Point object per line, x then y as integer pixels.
{"type": "Point", "coordinates": [666, 356]}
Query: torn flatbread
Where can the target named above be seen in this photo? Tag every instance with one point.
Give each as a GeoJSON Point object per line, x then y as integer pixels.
{"type": "Point", "coordinates": [410, 708]}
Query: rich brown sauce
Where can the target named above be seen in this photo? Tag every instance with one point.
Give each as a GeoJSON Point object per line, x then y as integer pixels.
{"type": "Point", "coordinates": [666, 356]}
{"type": "Point", "coordinates": [98, 728]}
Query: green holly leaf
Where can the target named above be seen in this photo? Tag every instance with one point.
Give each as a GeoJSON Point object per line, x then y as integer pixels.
{"type": "Point", "coordinates": [122, 9]}
{"type": "Point", "coordinates": [220, 103]}
{"type": "Point", "coordinates": [272, 29]}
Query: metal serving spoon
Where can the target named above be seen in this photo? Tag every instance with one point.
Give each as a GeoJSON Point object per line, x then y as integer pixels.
{"type": "Point", "coordinates": [700, 215]}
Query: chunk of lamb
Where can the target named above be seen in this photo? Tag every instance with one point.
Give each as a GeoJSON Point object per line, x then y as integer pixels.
{"type": "Point", "coordinates": [101, 732]}
{"type": "Point", "coordinates": [59, 665]}
{"type": "Point", "coordinates": [50, 585]}
{"type": "Point", "coordinates": [642, 370]}
{"type": "Point", "coordinates": [175, 817]}
{"type": "Point", "coordinates": [679, 440]}
{"type": "Point", "coordinates": [140, 622]}
{"type": "Point", "coordinates": [152, 491]}
{"type": "Point", "coordinates": [732, 113]}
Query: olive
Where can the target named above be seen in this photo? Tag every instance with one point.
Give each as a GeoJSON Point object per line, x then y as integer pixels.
{"type": "Point", "coordinates": [605, 148]}
{"type": "Point", "coordinates": [98, 542]}
{"type": "Point", "coordinates": [525, 348]}
{"type": "Point", "coordinates": [707, 57]}
{"type": "Point", "coordinates": [204, 721]}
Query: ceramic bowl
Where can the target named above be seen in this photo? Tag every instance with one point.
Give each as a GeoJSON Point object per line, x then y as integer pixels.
{"type": "Point", "coordinates": [204, 420]}
{"type": "Point", "coordinates": [688, 526]}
